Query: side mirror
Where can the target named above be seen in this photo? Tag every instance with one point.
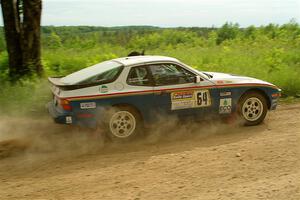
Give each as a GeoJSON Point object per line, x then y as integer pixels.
{"type": "Point", "coordinates": [197, 79]}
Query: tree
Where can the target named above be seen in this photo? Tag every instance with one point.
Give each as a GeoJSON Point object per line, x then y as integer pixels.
{"type": "Point", "coordinates": [250, 32]}
{"type": "Point", "coordinates": [228, 31]}
{"type": "Point", "coordinates": [54, 41]}
{"type": "Point", "coordinates": [22, 19]}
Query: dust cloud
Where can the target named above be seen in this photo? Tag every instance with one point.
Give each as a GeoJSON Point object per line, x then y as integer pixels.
{"type": "Point", "coordinates": [174, 160]}
{"type": "Point", "coordinates": [40, 138]}
{"type": "Point", "coordinates": [172, 129]}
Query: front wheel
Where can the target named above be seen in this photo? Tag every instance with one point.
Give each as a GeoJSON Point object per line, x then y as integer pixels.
{"type": "Point", "coordinates": [252, 108]}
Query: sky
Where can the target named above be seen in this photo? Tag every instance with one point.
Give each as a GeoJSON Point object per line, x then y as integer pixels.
{"type": "Point", "coordinates": [168, 13]}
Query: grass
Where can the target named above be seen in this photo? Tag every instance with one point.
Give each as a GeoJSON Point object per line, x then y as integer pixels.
{"type": "Point", "coordinates": [270, 53]}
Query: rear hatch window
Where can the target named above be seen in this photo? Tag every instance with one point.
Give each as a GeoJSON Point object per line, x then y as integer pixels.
{"type": "Point", "coordinates": [104, 72]}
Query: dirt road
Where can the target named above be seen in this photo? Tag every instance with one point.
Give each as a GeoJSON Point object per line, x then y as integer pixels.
{"type": "Point", "coordinates": [204, 161]}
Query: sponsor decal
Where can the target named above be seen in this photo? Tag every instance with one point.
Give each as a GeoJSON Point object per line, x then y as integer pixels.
{"type": "Point", "coordinates": [225, 106]}
{"type": "Point", "coordinates": [68, 119]}
{"type": "Point", "coordinates": [88, 105]}
{"type": "Point", "coordinates": [224, 82]}
{"type": "Point", "coordinates": [190, 99]}
{"type": "Point", "coordinates": [177, 105]}
{"type": "Point", "coordinates": [224, 94]}
{"type": "Point", "coordinates": [185, 95]}
{"type": "Point", "coordinates": [103, 89]}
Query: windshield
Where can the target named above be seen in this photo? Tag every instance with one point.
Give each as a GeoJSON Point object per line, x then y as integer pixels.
{"type": "Point", "coordinates": [205, 74]}
{"type": "Point", "coordinates": [101, 72]}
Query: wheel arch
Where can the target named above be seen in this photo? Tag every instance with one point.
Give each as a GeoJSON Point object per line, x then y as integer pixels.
{"type": "Point", "coordinates": [130, 106]}
{"type": "Point", "coordinates": [260, 91]}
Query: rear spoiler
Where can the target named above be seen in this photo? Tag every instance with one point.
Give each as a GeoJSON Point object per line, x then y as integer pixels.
{"type": "Point", "coordinates": [56, 82]}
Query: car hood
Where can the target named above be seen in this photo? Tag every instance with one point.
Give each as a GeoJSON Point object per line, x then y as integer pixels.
{"type": "Point", "coordinates": [227, 79]}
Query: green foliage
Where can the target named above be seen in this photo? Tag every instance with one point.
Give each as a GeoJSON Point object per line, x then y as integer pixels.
{"type": "Point", "coordinates": [250, 32]}
{"type": "Point", "coordinates": [269, 52]}
{"type": "Point", "coordinates": [53, 41]}
{"type": "Point", "coordinates": [3, 66]}
{"type": "Point", "coordinates": [2, 41]}
{"type": "Point", "coordinates": [164, 39]}
{"type": "Point", "coordinates": [24, 97]}
{"type": "Point", "coordinates": [228, 31]}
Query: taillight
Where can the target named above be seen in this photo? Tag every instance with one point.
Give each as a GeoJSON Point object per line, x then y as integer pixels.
{"type": "Point", "coordinates": [65, 104]}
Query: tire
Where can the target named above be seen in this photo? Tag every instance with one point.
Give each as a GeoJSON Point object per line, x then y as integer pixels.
{"type": "Point", "coordinates": [123, 123]}
{"type": "Point", "coordinates": [252, 108]}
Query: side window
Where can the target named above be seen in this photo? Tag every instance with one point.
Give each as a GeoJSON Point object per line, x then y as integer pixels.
{"type": "Point", "coordinates": [139, 76]}
{"type": "Point", "coordinates": [170, 74]}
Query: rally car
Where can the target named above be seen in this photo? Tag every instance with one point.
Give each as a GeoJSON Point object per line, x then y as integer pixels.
{"type": "Point", "coordinates": [125, 94]}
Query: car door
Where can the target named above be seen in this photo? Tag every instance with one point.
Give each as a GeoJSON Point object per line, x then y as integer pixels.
{"type": "Point", "coordinates": [177, 93]}
{"type": "Point", "coordinates": [140, 85]}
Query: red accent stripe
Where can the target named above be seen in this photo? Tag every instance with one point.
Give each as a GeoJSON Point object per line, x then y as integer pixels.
{"type": "Point", "coordinates": [169, 89]}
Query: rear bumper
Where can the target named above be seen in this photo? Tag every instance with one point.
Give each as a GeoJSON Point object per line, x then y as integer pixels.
{"type": "Point", "coordinates": [58, 115]}
{"type": "Point", "coordinates": [62, 117]}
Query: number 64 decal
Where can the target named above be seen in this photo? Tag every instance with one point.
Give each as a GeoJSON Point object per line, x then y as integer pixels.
{"type": "Point", "coordinates": [203, 98]}
{"type": "Point", "coordinates": [190, 99]}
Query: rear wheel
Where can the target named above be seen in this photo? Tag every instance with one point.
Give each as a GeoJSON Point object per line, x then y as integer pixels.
{"type": "Point", "coordinates": [123, 123]}
{"type": "Point", "coordinates": [252, 108]}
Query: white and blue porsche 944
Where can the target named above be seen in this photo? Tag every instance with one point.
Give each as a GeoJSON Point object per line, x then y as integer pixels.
{"type": "Point", "coordinates": [124, 94]}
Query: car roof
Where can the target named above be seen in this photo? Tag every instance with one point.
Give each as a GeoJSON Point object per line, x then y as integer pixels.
{"type": "Point", "coordinates": [135, 60]}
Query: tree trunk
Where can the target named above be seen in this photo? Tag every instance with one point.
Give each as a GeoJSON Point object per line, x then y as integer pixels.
{"type": "Point", "coordinates": [22, 19]}
{"type": "Point", "coordinates": [12, 35]}
{"type": "Point", "coordinates": [31, 44]}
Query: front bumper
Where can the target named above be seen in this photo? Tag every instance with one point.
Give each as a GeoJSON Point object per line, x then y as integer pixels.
{"type": "Point", "coordinates": [275, 99]}
{"type": "Point", "coordinates": [274, 104]}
